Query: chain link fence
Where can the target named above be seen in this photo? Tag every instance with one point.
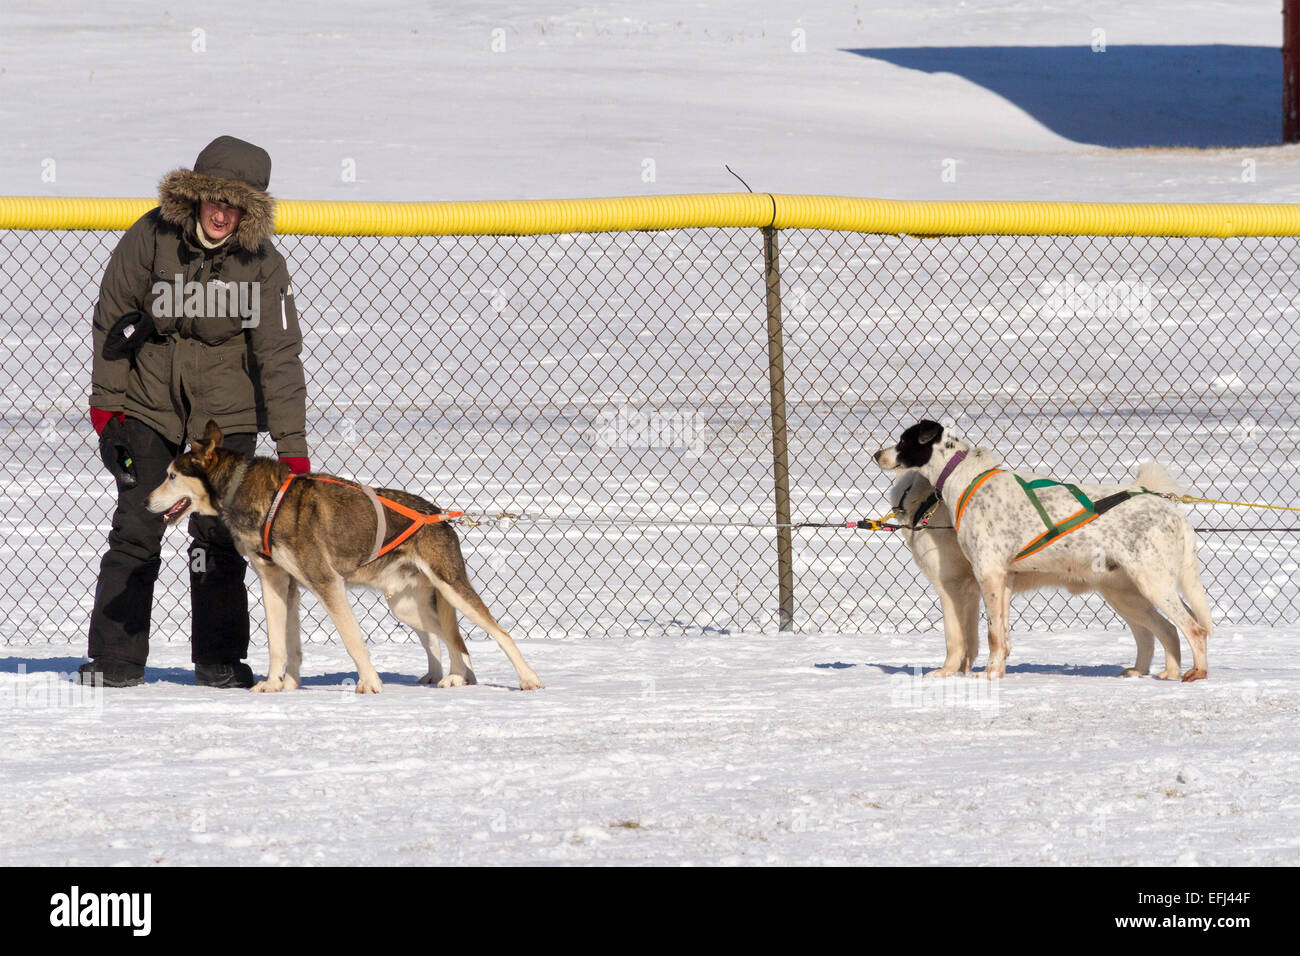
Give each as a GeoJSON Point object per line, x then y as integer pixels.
{"type": "Point", "coordinates": [614, 390]}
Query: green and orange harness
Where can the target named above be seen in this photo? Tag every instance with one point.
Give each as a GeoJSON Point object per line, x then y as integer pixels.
{"type": "Point", "coordinates": [1056, 530]}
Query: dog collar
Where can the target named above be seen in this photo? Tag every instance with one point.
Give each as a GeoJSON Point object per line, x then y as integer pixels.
{"type": "Point", "coordinates": [953, 462]}
{"type": "Point", "coordinates": [228, 498]}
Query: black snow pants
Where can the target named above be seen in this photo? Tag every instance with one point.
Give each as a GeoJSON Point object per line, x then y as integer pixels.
{"type": "Point", "coordinates": [119, 623]}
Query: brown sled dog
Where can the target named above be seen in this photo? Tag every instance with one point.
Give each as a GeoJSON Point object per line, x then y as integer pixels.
{"type": "Point", "coordinates": [323, 533]}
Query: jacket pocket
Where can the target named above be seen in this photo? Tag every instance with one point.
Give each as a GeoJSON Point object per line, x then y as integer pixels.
{"type": "Point", "coordinates": [148, 385]}
{"type": "Point", "coordinates": [228, 388]}
{"type": "Point", "coordinates": [149, 381]}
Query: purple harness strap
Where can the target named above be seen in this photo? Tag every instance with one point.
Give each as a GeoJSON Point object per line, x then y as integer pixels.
{"type": "Point", "coordinates": [953, 462]}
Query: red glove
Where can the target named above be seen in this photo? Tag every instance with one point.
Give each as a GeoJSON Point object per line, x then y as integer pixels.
{"type": "Point", "coordinates": [99, 418]}
{"type": "Point", "coordinates": [299, 466]}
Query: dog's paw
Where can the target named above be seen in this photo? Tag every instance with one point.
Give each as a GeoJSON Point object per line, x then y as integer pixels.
{"type": "Point", "coordinates": [1133, 672]}
{"type": "Point", "coordinates": [530, 683]}
{"type": "Point", "coordinates": [944, 671]}
{"type": "Point", "coordinates": [452, 680]}
{"type": "Point", "coordinates": [370, 685]}
{"type": "Point", "coordinates": [290, 683]}
{"type": "Point", "coordinates": [995, 671]}
{"type": "Point", "coordinates": [1170, 673]}
{"type": "Point", "coordinates": [431, 678]}
{"type": "Point", "coordinates": [1195, 673]}
{"type": "Point", "coordinates": [268, 686]}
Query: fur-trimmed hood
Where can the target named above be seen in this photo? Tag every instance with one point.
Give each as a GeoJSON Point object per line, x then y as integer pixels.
{"type": "Point", "coordinates": [228, 170]}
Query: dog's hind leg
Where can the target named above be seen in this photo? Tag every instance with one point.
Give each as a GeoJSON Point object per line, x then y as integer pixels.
{"type": "Point", "coordinates": [462, 596]}
{"type": "Point", "coordinates": [1127, 605]}
{"type": "Point", "coordinates": [1167, 635]}
{"type": "Point", "coordinates": [1148, 625]}
{"type": "Point", "coordinates": [406, 606]}
{"type": "Point", "coordinates": [333, 594]}
{"type": "Point", "coordinates": [433, 651]}
{"type": "Point", "coordinates": [434, 620]}
{"type": "Point", "coordinates": [449, 627]}
{"type": "Point", "coordinates": [276, 584]}
{"type": "Point", "coordinates": [1164, 595]}
{"type": "Point", "coordinates": [997, 602]}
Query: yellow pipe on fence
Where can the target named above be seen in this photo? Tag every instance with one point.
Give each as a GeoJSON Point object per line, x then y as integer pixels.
{"type": "Point", "coordinates": [721, 210]}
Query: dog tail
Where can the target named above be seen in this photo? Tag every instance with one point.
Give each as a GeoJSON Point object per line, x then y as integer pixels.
{"type": "Point", "coordinates": [1155, 477]}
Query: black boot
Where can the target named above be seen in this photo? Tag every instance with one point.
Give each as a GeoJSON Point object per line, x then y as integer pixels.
{"type": "Point", "coordinates": [237, 674]}
{"type": "Point", "coordinates": [110, 673]}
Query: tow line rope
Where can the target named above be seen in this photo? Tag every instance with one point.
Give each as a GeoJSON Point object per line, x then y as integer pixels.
{"type": "Point", "coordinates": [1193, 500]}
{"type": "Point", "coordinates": [504, 519]}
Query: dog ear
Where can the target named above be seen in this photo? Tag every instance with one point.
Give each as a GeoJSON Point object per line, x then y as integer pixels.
{"type": "Point", "coordinates": [928, 432]}
{"type": "Point", "coordinates": [204, 449]}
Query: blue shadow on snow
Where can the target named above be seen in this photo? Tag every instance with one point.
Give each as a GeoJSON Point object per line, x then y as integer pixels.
{"type": "Point", "coordinates": [1129, 96]}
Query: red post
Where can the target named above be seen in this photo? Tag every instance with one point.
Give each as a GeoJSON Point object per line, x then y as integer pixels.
{"type": "Point", "coordinates": [1290, 71]}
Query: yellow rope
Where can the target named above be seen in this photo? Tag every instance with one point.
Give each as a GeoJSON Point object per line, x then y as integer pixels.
{"type": "Point", "coordinates": [1192, 499]}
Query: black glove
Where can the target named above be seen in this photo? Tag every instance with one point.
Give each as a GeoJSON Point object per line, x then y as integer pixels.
{"type": "Point", "coordinates": [116, 453]}
{"type": "Point", "coordinates": [127, 335]}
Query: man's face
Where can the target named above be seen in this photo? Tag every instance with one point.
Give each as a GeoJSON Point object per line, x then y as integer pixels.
{"type": "Point", "coordinates": [218, 219]}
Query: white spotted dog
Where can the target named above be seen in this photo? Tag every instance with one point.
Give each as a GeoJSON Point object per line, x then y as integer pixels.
{"type": "Point", "coordinates": [926, 527]}
{"type": "Point", "coordinates": [1008, 523]}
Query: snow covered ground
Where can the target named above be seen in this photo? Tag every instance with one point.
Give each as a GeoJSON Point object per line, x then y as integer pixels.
{"type": "Point", "coordinates": [581, 95]}
{"type": "Point", "coordinates": [754, 749]}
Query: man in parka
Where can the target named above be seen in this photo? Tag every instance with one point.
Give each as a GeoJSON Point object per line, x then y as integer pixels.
{"type": "Point", "coordinates": [195, 321]}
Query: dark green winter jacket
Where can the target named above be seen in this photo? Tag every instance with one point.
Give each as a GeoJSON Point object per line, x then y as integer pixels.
{"type": "Point", "coordinates": [227, 345]}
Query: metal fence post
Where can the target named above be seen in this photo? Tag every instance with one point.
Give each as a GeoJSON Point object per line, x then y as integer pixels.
{"type": "Point", "coordinates": [780, 454]}
{"type": "Point", "coordinates": [1291, 71]}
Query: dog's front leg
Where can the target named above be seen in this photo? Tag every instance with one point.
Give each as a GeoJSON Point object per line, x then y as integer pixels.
{"type": "Point", "coordinates": [292, 638]}
{"type": "Point", "coordinates": [954, 619]}
{"type": "Point", "coordinates": [275, 596]}
{"type": "Point", "coordinates": [333, 594]}
{"type": "Point", "coordinates": [997, 602]}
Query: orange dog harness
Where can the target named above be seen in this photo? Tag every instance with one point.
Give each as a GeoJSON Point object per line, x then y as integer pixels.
{"type": "Point", "coordinates": [382, 546]}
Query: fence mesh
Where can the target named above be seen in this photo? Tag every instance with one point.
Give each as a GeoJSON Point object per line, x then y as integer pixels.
{"type": "Point", "coordinates": [613, 389]}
